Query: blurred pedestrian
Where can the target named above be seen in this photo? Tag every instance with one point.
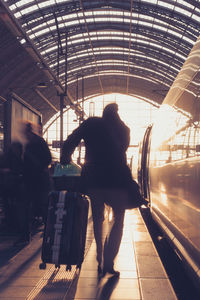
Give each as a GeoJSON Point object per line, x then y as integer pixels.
{"type": "Point", "coordinates": [37, 158]}
{"type": "Point", "coordinates": [105, 176]}
{"type": "Point", "coordinates": [11, 165]}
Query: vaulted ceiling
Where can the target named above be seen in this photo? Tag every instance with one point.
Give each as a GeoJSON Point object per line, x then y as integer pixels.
{"type": "Point", "coordinates": [133, 47]}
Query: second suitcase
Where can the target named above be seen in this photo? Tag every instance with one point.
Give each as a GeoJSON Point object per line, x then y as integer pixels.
{"type": "Point", "coordinates": [65, 229]}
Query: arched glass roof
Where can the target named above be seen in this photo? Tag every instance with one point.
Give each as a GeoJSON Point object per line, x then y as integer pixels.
{"type": "Point", "coordinates": [129, 46]}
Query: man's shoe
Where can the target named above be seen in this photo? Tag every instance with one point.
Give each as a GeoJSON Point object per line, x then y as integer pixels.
{"type": "Point", "coordinates": [111, 271]}
{"type": "Point", "coordinates": [145, 202]}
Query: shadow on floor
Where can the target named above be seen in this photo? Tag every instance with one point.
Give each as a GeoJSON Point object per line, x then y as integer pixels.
{"type": "Point", "coordinates": [106, 290]}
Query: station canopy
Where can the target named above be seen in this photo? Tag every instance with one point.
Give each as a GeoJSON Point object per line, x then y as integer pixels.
{"type": "Point", "coordinates": [87, 48]}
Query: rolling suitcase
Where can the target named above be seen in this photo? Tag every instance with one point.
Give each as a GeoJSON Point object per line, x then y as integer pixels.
{"type": "Point", "coordinates": [65, 229]}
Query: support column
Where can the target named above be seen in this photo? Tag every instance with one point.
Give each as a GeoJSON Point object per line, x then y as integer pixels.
{"type": "Point", "coordinates": [61, 120]}
{"type": "Point", "coordinates": [7, 122]}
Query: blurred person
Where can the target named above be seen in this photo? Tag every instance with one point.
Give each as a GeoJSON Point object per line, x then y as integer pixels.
{"type": "Point", "coordinates": [105, 176]}
{"type": "Point", "coordinates": [13, 157]}
{"type": "Point", "coordinates": [11, 168]}
{"type": "Point", "coordinates": [37, 158]}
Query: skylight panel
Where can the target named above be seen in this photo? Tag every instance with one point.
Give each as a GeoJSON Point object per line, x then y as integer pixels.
{"type": "Point", "coordinates": [17, 15]}
{"type": "Point", "coordinates": [196, 18]}
{"type": "Point", "coordinates": [149, 24]}
{"type": "Point", "coordinates": [29, 9]}
{"type": "Point", "coordinates": [32, 36]}
{"type": "Point", "coordinates": [107, 12]}
{"type": "Point", "coordinates": [99, 64]}
{"type": "Point", "coordinates": [23, 2]}
{"type": "Point", "coordinates": [60, 1]}
{"type": "Point", "coordinates": [101, 51]}
{"type": "Point", "coordinates": [185, 3]}
{"type": "Point", "coordinates": [112, 66]}
{"type": "Point", "coordinates": [153, 1]}
{"type": "Point", "coordinates": [147, 17]}
{"type": "Point", "coordinates": [36, 28]}
{"type": "Point", "coordinates": [46, 51]}
{"type": "Point", "coordinates": [62, 61]}
{"type": "Point", "coordinates": [159, 27]}
{"type": "Point", "coordinates": [122, 73]}
{"type": "Point", "coordinates": [166, 4]}
{"type": "Point", "coordinates": [175, 33]}
{"type": "Point", "coordinates": [143, 23]}
{"type": "Point", "coordinates": [12, 7]}
{"type": "Point", "coordinates": [22, 41]}
{"type": "Point", "coordinates": [98, 33]}
{"type": "Point", "coordinates": [87, 13]}
{"type": "Point", "coordinates": [182, 11]}
{"type": "Point", "coordinates": [197, 10]}
{"type": "Point", "coordinates": [127, 14]}
{"type": "Point", "coordinates": [35, 20]}
{"type": "Point", "coordinates": [114, 62]}
{"type": "Point", "coordinates": [41, 32]}
{"type": "Point", "coordinates": [185, 38]}
{"type": "Point", "coordinates": [46, 3]}
{"type": "Point", "coordinates": [137, 55]}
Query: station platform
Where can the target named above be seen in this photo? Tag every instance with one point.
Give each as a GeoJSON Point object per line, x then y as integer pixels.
{"type": "Point", "coordinates": [142, 275]}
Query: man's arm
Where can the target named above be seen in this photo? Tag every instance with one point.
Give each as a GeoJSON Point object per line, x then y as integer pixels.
{"type": "Point", "coordinates": [70, 144]}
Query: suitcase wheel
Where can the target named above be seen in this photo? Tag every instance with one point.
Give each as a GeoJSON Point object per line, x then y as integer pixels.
{"type": "Point", "coordinates": [57, 266]}
{"type": "Point", "coordinates": [68, 268]}
{"type": "Point", "coordinates": [42, 266]}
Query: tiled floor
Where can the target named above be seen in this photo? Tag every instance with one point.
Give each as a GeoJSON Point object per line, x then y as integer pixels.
{"type": "Point", "coordinates": [141, 273]}
{"type": "Point", "coordinates": [142, 276]}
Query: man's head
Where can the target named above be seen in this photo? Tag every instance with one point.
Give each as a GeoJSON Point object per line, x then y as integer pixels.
{"type": "Point", "coordinates": [110, 111]}
{"type": "Point", "coordinates": [28, 130]}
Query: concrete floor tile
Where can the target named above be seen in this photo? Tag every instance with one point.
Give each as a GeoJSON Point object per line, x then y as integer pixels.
{"type": "Point", "coordinates": [139, 228]}
{"type": "Point", "coordinates": [89, 267]}
{"type": "Point", "coordinates": [141, 236]}
{"type": "Point", "coordinates": [127, 283]}
{"type": "Point", "coordinates": [86, 293]}
{"type": "Point", "coordinates": [87, 282]}
{"type": "Point", "coordinates": [125, 266]}
{"type": "Point", "coordinates": [124, 294]}
{"type": "Point", "coordinates": [128, 274]}
{"type": "Point", "coordinates": [31, 273]}
{"type": "Point", "coordinates": [15, 291]}
{"type": "Point", "coordinates": [88, 273]}
{"type": "Point", "coordinates": [126, 249]}
{"type": "Point", "coordinates": [91, 258]}
{"type": "Point", "coordinates": [11, 298]}
{"type": "Point", "coordinates": [23, 282]}
{"type": "Point", "coordinates": [50, 295]}
{"type": "Point", "coordinates": [145, 248]}
{"type": "Point", "coordinates": [157, 289]}
{"type": "Point", "coordinates": [150, 267]}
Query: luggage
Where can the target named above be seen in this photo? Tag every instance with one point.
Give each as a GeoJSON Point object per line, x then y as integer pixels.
{"type": "Point", "coordinates": [67, 177]}
{"type": "Point", "coordinates": [65, 229]}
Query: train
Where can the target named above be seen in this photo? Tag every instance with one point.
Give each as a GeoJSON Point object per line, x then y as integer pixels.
{"type": "Point", "coordinates": [168, 167]}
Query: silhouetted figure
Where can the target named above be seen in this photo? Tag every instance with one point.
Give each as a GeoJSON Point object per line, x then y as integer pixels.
{"type": "Point", "coordinates": [11, 165]}
{"type": "Point", "coordinates": [13, 157]}
{"type": "Point", "coordinates": [105, 176]}
{"type": "Point", "coordinates": [37, 157]}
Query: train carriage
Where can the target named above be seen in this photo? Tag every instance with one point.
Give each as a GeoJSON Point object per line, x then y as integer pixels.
{"type": "Point", "coordinates": [169, 164]}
